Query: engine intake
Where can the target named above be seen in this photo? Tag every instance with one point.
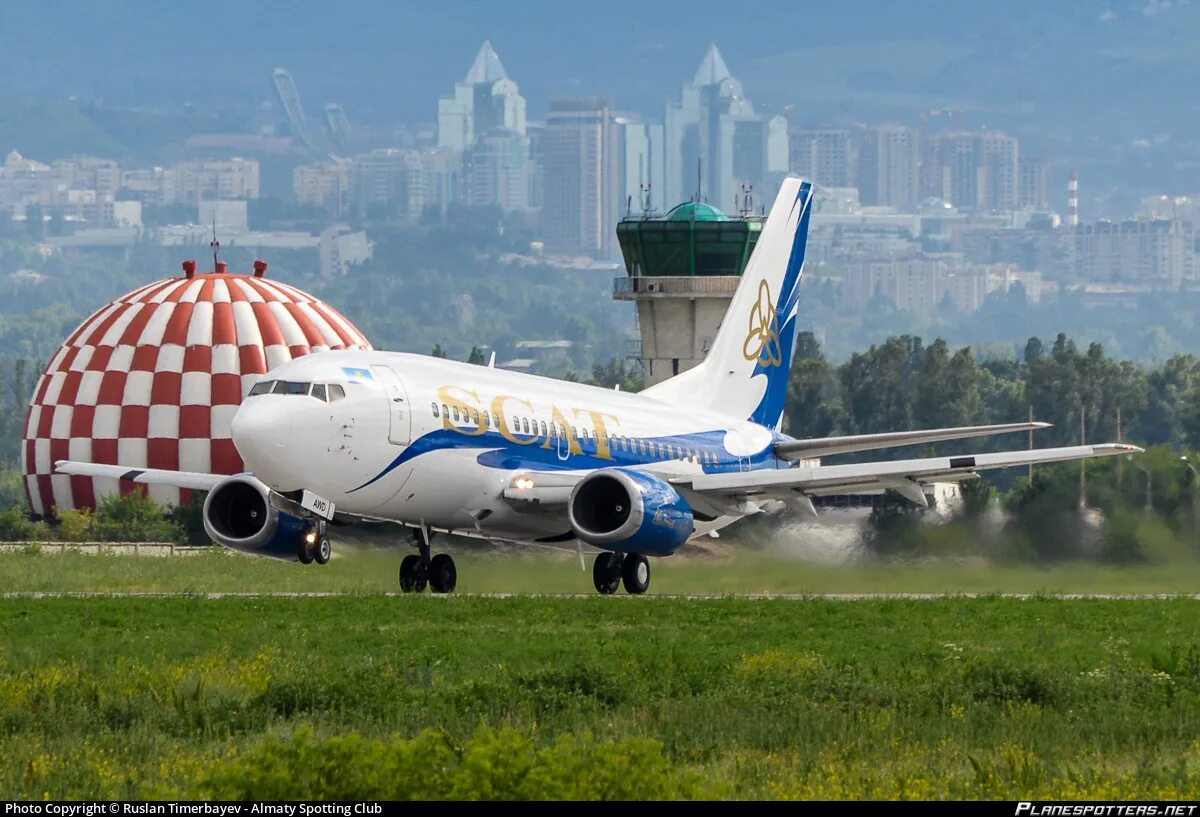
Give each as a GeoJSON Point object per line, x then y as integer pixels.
{"type": "Point", "coordinates": [629, 511]}
{"type": "Point", "coordinates": [238, 514]}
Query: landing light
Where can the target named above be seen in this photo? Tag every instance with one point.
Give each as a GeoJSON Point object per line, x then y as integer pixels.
{"type": "Point", "coordinates": [523, 483]}
{"type": "Point", "coordinates": [311, 537]}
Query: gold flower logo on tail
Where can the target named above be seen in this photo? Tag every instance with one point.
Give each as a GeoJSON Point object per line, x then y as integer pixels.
{"type": "Point", "coordinates": [762, 341]}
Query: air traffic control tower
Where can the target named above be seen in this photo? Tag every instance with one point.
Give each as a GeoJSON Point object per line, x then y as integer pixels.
{"type": "Point", "coordinates": [681, 271]}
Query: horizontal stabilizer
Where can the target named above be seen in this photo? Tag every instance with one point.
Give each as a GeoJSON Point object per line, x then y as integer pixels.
{"type": "Point", "coordinates": [828, 446]}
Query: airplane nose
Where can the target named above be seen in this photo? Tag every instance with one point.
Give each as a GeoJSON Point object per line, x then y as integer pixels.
{"type": "Point", "coordinates": [262, 433]}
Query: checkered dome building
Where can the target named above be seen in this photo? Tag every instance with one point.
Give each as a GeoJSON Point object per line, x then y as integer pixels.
{"type": "Point", "coordinates": [153, 380]}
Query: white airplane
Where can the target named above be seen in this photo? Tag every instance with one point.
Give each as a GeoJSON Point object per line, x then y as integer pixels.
{"type": "Point", "coordinates": [441, 446]}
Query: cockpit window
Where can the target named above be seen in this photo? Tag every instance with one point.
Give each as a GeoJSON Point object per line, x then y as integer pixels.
{"type": "Point", "coordinates": [321, 391]}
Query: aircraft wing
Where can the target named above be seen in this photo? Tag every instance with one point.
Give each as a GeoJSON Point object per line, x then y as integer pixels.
{"type": "Point", "coordinates": [828, 446]}
{"type": "Point", "coordinates": [146, 476]}
{"type": "Point", "coordinates": [904, 476]}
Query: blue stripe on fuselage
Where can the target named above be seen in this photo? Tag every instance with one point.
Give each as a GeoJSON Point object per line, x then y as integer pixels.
{"type": "Point", "coordinates": [497, 451]}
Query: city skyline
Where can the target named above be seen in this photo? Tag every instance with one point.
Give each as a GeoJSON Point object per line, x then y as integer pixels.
{"type": "Point", "coordinates": [1014, 67]}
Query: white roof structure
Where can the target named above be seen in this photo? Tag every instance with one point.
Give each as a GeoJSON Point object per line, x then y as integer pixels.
{"type": "Point", "coordinates": [487, 66]}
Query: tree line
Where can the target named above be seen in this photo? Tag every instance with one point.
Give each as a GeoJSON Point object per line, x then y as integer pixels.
{"type": "Point", "coordinates": [904, 383]}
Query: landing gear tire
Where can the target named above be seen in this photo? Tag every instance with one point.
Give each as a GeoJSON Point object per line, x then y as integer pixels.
{"type": "Point", "coordinates": [635, 571]}
{"type": "Point", "coordinates": [304, 551]}
{"type": "Point", "coordinates": [322, 551]}
{"type": "Point", "coordinates": [443, 575]}
{"type": "Point", "coordinates": [606, 573]}
{"type": "Point", "coordinates": [410, 566]}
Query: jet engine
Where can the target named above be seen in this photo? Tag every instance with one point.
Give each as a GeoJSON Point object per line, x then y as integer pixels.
{"type": "Point", "coordinates": [630, 512]}
{"type": "Point", "coordinates": [239, 515]}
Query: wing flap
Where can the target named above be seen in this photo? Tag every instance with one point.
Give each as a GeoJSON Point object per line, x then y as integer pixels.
{"type": "Point", "coordinates": [874, 476]}
{"type": "Point", "coordinates": [145, 476]}
{"type": "Point", "coordinates": [828, 446]}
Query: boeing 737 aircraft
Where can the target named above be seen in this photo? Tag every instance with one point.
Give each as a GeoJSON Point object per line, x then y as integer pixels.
{"type": "Point", "coordinates": [341, 437]}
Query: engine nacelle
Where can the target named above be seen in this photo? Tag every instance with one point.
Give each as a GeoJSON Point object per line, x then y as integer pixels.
{"type": "Point", "coordinates": [239, 515]}
{"type": "Point", "coordinates": [629, 511]}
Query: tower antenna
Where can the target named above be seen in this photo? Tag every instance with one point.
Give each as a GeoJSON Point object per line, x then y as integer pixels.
{"type": "Point", "coordinates": [216, 245]}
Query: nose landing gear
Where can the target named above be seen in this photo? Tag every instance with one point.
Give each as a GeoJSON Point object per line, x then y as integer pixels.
{"type": "Point", "coordinates": [314, 545]}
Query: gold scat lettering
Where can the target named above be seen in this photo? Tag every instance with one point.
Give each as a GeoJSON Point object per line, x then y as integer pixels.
{"type": "Point", "coordinates": [603, 449]}
{"type": "Point", "coordinates": [505, 431]}
{"type": "Point", "coordinates": [557, 417]}
{"type": "Point", "coordinates": [445, 393]}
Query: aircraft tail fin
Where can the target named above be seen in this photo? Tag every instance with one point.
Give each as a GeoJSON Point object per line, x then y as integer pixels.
{"type": "Point", "coordinates": [746, 371]}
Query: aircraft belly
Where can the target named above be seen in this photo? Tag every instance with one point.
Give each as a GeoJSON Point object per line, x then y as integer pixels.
{"type": "Point", "coordinates": [445, 489]}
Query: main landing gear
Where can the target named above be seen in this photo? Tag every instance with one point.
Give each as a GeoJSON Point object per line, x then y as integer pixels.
{"type": "Point", "coordinates": [418, 570]}
{"type": "Point", "coordinates": [314, 545]}
{"type": "Point", "coordinates": [610, 570]}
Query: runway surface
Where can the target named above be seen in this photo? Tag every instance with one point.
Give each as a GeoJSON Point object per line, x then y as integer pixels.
{"type": "Point", "coordinates": [203, 596]}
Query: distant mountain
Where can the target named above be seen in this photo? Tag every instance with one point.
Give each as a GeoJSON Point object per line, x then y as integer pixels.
{"type": "Point", "coordinates": [1107, 84]}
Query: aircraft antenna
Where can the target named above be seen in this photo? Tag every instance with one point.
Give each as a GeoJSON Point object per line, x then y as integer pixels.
{"type": "Point", "coordinates": [214, 244]}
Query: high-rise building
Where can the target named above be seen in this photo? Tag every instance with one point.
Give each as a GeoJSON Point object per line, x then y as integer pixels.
{"type": "Point", "coordinates": [639, 158]}
{"type": "Point", "coordinates": [715, 142]}
{"type": "Point", "coordinates": [975, 170]}
{"type": "Point", "coordinates": [824, 155]}
{"type": "Point", "coordinates": [233, 179]}
{"type": "Point", "coordinates": [1154, 251]}
{"type": "Point", "coordinates": [1032, 190]}
{"type": "Point", "coordinates": [581, 186]}
{"type": "Point", "coordinates": [1001, 163]}
{"type": "Point", "coordinates": [888, 162]}
{"type": "Point", "coordinates": [325, 185]}
{"type": "Point", "coordinates": [496, 170]}
{"type": "Point", "coordinates": [485, 100]}
{"type": "Point", "coordinates": [388, 184]}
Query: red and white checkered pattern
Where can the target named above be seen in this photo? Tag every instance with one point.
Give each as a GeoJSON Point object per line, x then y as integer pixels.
{"type": "Point", "coordinates": [153, 380]}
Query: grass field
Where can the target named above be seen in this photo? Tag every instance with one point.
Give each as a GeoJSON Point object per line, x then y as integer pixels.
{"type": "Point", "coordinates": [372, 696]}
{"type": "Point", "coordinates": [370, 571]}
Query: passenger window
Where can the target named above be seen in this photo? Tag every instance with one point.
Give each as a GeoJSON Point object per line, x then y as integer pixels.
{"type": "Point", "coordinates": [474, 416]}
{"type": "Point", "coordinates": [496, 419]}
{"type": "Point", "coordinates": [318, 391]}
{"type": "Point", "coordinates": [336, 393]}
{"type": "Point", "coordinates": [454, 411]}
{"type": "Point", "coordinates": [525, 424]}
{"type": "Point", "coordinates": [435, 410]}
{"type": "Point", "coordinates": [545, 433]}
{"type": "Point", "coordinates": [262, 387]}
{"type": "Point", "coordinates": [486, 420]}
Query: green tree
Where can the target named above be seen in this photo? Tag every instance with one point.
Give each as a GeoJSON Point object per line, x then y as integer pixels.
{"type": "Point", "coordinates": [134, 517]}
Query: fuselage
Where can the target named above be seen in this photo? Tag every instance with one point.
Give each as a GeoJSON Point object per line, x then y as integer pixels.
{"type": "Point", "coordinates": [423, 440]}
